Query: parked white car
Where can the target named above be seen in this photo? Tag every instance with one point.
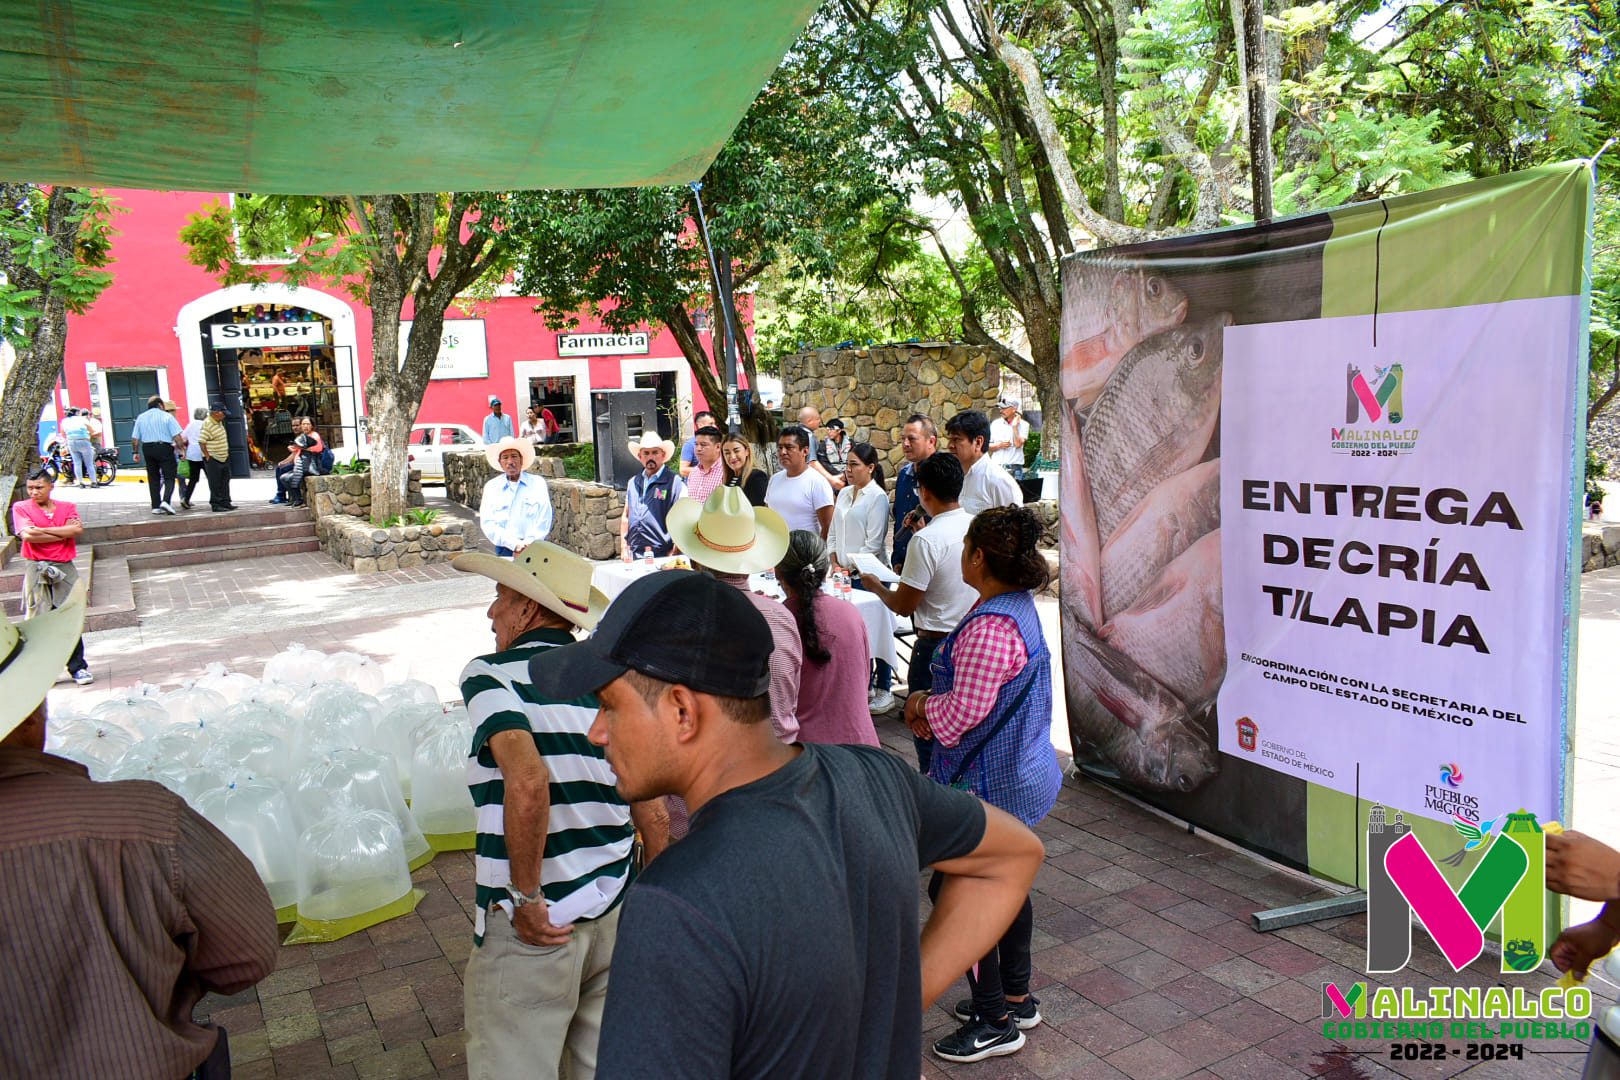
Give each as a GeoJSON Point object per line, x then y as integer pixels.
{"type": "Point", "coordinates": [428, 443]}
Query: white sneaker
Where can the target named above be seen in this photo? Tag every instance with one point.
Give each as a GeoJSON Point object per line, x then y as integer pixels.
{"type": "Point", "coordinates": [83, 677]}
{"type": "Point", "coordinates": [880, 702]}
{"type": "Point", "coordinates": [157, 509]}
{"type": "Point", "coordinates": [166, 508]}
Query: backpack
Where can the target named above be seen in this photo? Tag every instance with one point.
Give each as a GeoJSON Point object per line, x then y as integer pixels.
{"type": "Point", "coordinates": [324, 462]}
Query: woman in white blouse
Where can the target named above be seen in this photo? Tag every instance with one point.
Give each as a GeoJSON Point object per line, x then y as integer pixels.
{"type": "Point", "coordinates": [861, 513]}
{"type": "Point", "coordinates": [534, 426]}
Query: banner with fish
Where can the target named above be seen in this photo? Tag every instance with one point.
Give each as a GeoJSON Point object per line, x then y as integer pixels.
{"type": "Point", "coordinates": [1319, 522]}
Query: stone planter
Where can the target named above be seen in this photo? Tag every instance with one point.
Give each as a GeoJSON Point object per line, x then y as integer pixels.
{"type": "Point", "coordinates": [342, 506]}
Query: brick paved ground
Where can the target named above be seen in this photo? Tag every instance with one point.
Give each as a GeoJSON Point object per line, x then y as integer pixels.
{"type": "Point", "coordinates": [1145, 964]}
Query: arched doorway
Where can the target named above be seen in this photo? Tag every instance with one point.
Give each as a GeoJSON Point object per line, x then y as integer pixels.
{"type": "Point", "coordinates": [271, 353]}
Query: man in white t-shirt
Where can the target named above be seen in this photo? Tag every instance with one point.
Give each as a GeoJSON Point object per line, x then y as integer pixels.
{"type": "Point", "coordinates": [931, 589]}
{"type": "Point", "coordinates": [984, 483]}
{"type": "Point", "coordinates": [800, 494]}
{"type": "Point", "coordinates": [1008, 433]}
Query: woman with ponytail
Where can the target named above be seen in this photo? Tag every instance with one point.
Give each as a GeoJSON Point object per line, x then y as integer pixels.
{"type": "Point", "coordinates": [989, 716]}
{"type": "Point", "coordinates": [833, 681]}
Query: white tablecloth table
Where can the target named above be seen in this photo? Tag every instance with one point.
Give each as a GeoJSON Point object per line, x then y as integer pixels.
{"type": "Point", "coordinates": [614, 577]}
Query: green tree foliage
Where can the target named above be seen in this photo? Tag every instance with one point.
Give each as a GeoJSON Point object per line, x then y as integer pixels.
{"type": "Point", "coordinates": [797, 175]}
{"type": "Point", "coordinates": [887, 285]}
{"type": "Point", "coordinates": [55, 243]}
{"type": "Point", "coordinates": [1055, 125]}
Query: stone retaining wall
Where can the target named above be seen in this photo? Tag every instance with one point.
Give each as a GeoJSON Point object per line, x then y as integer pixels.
{"type": "Point", "coordinates": [585, 517]}
{"type": "Point", "coordinates": [1600, 546]}
{"type": "Point", "coordinates": [342, 505]}
{"type": "Point", "coordinates": [585, 514]}
{"type": "Point", "coordinates": [874, 390]}
{"type": "Point", "coordinates": [350, 494]}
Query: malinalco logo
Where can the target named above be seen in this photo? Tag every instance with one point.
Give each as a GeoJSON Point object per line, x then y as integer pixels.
{"type": "Point", "coordinates": [1379, 397]}
{"type": "Point", "coordinates": [1510, 880]}
{"type": "Point", "coordinates": [1374, 410]}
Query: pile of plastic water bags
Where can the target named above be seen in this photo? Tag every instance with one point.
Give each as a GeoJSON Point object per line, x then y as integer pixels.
{"type": "Point", "coordinates": [334, 781]}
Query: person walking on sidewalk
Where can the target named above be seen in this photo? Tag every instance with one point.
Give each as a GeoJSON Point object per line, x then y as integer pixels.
{"type": "Point", "coordinates": [49, 531]}
{"type": "Point", "coordinates": [194, 456]}
{"type": "Point", "coordinates": [215, 448]}
{"type": "Point", "coordinates": [781, 938]}
{"type": "Point", "coordinates": [156, 436]}
{"type": "Point", "coordinates": [989, 714]}
{"type": "Point", "coordinates": [554, 836]}
{"type": "Point", "coordinates": [76, 429]}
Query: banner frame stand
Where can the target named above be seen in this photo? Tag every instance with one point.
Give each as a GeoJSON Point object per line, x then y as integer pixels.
{"type": "Point", "coordinates": [1331, 907]}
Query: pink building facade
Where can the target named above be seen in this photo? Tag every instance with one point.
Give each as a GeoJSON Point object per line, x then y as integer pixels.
{"type": "Point", "coordinates": [166, 327]}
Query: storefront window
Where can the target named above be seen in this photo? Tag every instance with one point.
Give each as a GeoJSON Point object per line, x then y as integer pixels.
{"type": "Point", "coordinates": [554, 395]}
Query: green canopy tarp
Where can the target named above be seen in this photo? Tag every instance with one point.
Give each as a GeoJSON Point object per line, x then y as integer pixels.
{"type": "Point", "coordinates": [324, 97]}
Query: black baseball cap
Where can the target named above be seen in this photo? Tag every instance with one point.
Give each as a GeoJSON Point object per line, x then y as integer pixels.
{"type": "Point", "coordinates": [679, 626]}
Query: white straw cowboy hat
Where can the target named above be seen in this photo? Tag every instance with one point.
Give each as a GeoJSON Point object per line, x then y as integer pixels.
{"type": "Point", "coordinates": [727, 533]}
{"type": "Point", "coordinates": [32, 654]}
{"type": "Point", "coordinates": [552, 576]}
{"type": "Point", "coordinates": [524, 447]}
{"type": "Point", "coordinates": [651, 441]}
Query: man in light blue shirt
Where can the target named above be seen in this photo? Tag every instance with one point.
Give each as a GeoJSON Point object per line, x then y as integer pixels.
{"type": "Point", "coordinates": [497, 425]}
{"type": "Point", "coordinates": [156, 436]}
{"type": "Point", "coordinates": [515, 510]}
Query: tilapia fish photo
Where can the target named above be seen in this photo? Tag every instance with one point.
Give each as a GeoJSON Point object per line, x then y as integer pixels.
{"type": "Point", "coordinates": [1143, 637]}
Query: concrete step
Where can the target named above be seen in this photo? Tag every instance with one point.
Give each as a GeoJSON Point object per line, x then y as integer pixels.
{"type": "Point", "coordinates": [232, 537]}
{"type": "Point", "coordinates": [196, 521]}
{"type": "Point", "coordinates": [112, 597]}
{"type": "Point", "coordinates": [161, 560]}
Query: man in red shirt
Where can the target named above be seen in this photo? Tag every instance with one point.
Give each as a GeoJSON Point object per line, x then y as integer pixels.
{"type": "Point", "coordinates": [49, 530]}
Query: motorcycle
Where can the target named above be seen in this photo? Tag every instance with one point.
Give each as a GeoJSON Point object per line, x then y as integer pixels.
{"type": "Point", "coordinates": [58, 464]}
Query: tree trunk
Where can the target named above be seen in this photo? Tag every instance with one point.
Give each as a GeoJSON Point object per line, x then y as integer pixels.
{"type": "Point", "coordinates": [26, 393]}
{"type": "Point", "coordinates": [389, 412]}
{"type": "Point", "coordinates": [679, 323]}
{"type": "Point", "coordinates": [1253, 35]}
{"type": "Point", "coordinates": [29, 384]}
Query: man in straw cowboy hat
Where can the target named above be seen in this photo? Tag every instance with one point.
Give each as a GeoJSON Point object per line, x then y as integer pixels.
{"type": "Point", "coordinates": [554, 836]}
{"type": "Point", "coordinates": [648, 498]}
{"type": "Point", "coordinates": [123, 906]}
{"type": "Point", "coordinates": [730, 538]}
{"type": "Point", "coordinates": [515, 510]}
{"type": "Point", "coordinates": [780, 939]}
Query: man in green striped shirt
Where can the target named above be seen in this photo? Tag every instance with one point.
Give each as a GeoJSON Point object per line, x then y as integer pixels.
{"type": "Point", "coordinates": [554, 836]}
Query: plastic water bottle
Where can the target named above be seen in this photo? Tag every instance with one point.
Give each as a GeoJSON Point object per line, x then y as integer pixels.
{"type": "Point", "coordinates": [647, 558]}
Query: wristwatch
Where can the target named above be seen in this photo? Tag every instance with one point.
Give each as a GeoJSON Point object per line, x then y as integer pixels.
{"type": "Point", "coordinates": [520, 900]}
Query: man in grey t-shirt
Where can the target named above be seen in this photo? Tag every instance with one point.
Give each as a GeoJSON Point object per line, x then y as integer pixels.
{"type": "Point", "coordinates": [786, 922]}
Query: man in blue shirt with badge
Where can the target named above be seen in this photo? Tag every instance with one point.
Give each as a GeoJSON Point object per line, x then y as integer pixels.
{"type": "Point", "coordinates": [648, 497]}
{"type": "Point", "coordinates": [156, 436]}
{"type": "Point", "coordinates": [515, 510]}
